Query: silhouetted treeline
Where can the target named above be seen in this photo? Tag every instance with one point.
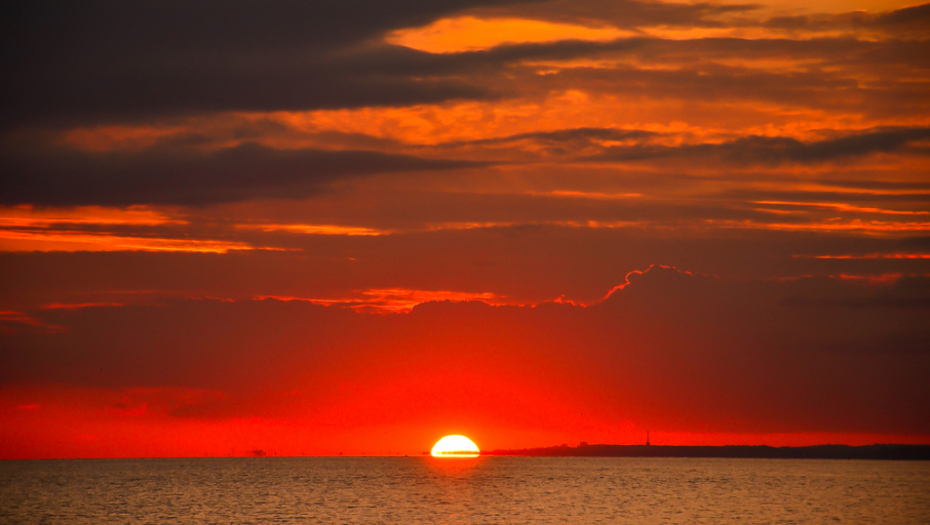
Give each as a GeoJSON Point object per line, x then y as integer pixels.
{"type": "Point", "coordinates": [898, 452]}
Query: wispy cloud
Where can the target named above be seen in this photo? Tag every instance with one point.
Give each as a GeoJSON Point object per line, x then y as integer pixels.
{"type": "Point", "coordinates": [394, 300]}
{"type": "Point", "coordinates": [27, 216]}
{"type": "Point", "coordinates": [85, 241]}
{"type": "Point", "coordinates": [11, 321]}
{"type": "Point", "coordinates": [315, 229]}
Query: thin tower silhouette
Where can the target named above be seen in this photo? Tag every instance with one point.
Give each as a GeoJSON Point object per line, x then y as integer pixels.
{"type": "Point", "coordinates": [647, 438]}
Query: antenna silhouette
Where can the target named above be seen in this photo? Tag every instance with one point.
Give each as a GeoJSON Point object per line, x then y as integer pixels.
{"type": "Point", "coordinates": [647, 438]}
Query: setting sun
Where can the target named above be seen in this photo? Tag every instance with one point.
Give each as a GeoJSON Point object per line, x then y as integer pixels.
{"type": "Point", "coordinates": [455, 447]}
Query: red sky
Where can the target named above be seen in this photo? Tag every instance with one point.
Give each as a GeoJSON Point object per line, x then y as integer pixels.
{"type": "Point", "coordinates": [324, 227]}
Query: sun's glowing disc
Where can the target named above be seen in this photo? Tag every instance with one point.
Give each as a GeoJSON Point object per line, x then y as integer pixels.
{"type": "Point", "coordinates": [455, 447]}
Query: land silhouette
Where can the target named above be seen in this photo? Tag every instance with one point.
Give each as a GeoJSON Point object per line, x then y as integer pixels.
{"type": "Point", "coordinates": [877, 451]}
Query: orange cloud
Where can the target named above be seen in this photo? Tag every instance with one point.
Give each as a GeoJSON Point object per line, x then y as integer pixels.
{"type": "Point", "coordinates": [315, 229]}
{"type": "Point", "coordinates": [870, 256]}
{"type": "Point", "coordinates": [595, 195]}
{"type": "Point", "coordinates": [838, 225]}
{"type": "Point", "coordinates": [844, 207]}
{"type": "Point", "coordinates": [85, 241]}
{"type": "Point", "coordinates": [394, 300]}
{"type": "Point", "coordinates": [28, 228]}
{"type": "Point", "coordinates": [32, 217]}
{"type": "Point", "coordinates": [456, 35]}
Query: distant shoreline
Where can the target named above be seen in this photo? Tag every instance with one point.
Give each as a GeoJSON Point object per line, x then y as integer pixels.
{"type": "Point", "coordinates": [880, 452]}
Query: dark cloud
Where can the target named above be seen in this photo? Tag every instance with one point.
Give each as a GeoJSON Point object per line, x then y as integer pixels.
{"type": "Point", "coordinates": [778, 150]}
{"type": "Point", "coordinates": [202, 84]}
{"type": "Point", "coordinates": [773, 150]}
{"type": "Point", "coordinates": [911, 21]}
{"type": "Point", "coordinates": [646, 145]}
{"type": "Point", "coordinates": [103, 60]}
{"type": "Point", "coordinates": [714, 84]}
{"type": "Point", "coordinates": [822, 50]}
{"type": "Point", "coordinates": [152, 27]}
{"type": "Point", "coordinates": [827, 73]}
{"type": "Point", "coordinates": [112, 59]}
{"type": "Point", "coordinates": [916, 243]}
{"type": "Point", "coordinates": [177, 172]}
{"type": "Point", "coordinates": [70, 64]}
{"type": "Point", "coordinates": [915, 14]}
{"type": "Point", "coordinates": [171, 175]}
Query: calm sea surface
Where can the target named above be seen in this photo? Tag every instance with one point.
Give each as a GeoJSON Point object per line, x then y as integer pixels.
{"type": "Point", "coordinates": [482, 490]}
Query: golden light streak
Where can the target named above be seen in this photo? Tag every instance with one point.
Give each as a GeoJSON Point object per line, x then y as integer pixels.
{"type": "Point", "coordinates": [31, 217]}
{"type": "Point", "coordinates": [393, 300]}
{"type": "Point", "coordinates": [456, 35]}
{"type": "Point", "coordinates": [707, 224]}
{"type": "Point", "coordinates": [436, 124]}
{"type": "Point", "coordinates": [315, 229]}
{"type": "Point", "coordinates": [745, 33]}
{"type": "Point", "coordinates": [842, 207]}
{"type": "Point", "coordinates": [828, 226]}
{"type": "Point", "coordinates": [403, 300]}
{"type": "Point", "coordinates": [868, 256]}
{"type": "Point", "coordinates": [563, 224]}
{"type": "Point", "coordinates": [75, 306]}
{"type": "Point", "coordinates": [594, 195]}
{"type": "Point", "coordinates": [425, 125]}
{"type": "Point", "coordinates": [83, 241]}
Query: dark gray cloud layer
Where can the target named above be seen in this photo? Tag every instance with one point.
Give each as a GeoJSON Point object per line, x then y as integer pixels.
{"type": "Point", "coordinates": [908, 21]}
{"type": "Point", "coordinates": [112, 59]}
{"type": "Point", "coordinates": [747, 150]}
{"type": "Point", "coordinates": [77, 64]}
{"type": "Point", "coordinates": [176, 173]}
{"type": "Point", "coordinates": [779, 150]}
{"type": "Point", "coordinates": [164, 175]}
{"type": "Point", "coordinates": [68, 62]}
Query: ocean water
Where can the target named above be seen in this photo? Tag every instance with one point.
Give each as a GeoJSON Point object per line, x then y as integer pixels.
{"type": "Point", "coordinates": [464, 491]}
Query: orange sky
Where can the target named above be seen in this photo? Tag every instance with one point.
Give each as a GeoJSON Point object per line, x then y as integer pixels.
{"type": "Point", "coordinates": [314, 229]}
